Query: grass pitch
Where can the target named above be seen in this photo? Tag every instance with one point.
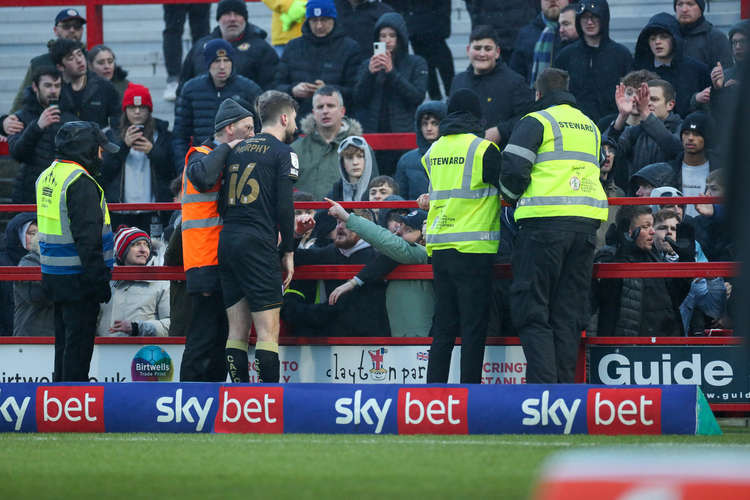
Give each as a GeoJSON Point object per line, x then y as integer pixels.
{"type": "Point", "coordinates": [160, 466]}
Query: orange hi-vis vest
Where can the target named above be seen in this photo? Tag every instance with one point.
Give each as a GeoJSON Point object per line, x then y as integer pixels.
{"type": "Point", "coordinates": [201, 222]}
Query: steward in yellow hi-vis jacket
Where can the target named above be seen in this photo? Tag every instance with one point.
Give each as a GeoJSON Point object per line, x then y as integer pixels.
{"type": "Point", "coordinates": [463, 234]}
{"type": "Point", "coordinates": [551, 173]}
{"type": "Point", "coordinates": [75, 244]}
{"type": "Point", "coordinates": [206, 336]}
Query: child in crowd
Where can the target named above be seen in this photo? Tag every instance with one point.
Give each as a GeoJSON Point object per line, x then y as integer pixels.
{"type": "Point", "coordinates": [355, 165]}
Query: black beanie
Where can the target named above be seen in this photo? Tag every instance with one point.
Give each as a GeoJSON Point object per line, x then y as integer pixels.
{"type": "Point", "coordinates": [237, 6]}
{"type": "Point", "coordinates": [698, 122]}
{"type": "Point", "coordinates": [701, 4]}
{"type": "Point", "coordinates": [465, 100]}
{"type": "Point", "coordinates": [229, 112]}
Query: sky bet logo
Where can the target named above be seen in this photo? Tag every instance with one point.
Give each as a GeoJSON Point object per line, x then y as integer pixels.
{"type": "Point", "coordinates": [608, 411]}
{"type": "Point", "coordinates": [419, 411]}
{"type": "Point", "coordinates": [70, 409]}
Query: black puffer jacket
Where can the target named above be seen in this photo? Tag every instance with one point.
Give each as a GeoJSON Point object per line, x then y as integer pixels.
{"type": "Point", "coordinates": [387, 101]}
{"type": "Point", "coordinates": [504, 94]}
{"type": "Point", "coordinates": [357, 22]}
{"type": "Point", "coordinates": [411, 176]}
{"type": "Point", "coordinates": [523, 51]}
{"type": "Point", "coordinates": [595, 71]}
{"type": "Point", "coordinates": [161, 160]}
{"type": "Point", "coordinates": [33, 146]}
{"type": "Point", "coordinates": [687, 75]}
{"type": "Point", "coordinates": [100, 102]}
{"type": "Point", "coordinates": [196, 109]}
{"type": "Point", "coordinates": [707, 43]}
{"type": "Point", "coordinates": [10, 256]}
{"type": "Point", "coordinates": [506, 16]}
{"type": "Point", "coordinates": [333, 58]}
{"type": "Point", "coordinates": [638, 307]}
{"type": "Point", "coordinates": [254, 57]}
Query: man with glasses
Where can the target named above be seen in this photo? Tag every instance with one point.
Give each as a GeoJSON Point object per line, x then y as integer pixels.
{"type": "Point", "coordinates": [69, 26]}
{"type": "Point", "coordinates": [595, 62]}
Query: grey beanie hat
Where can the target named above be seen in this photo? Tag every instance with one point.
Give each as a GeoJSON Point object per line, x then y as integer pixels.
{"type": "Point", "coordinates": [229, 112]}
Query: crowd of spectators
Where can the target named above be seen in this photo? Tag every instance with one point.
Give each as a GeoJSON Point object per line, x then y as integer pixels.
{"type": "Point", "coordinates": [367, 66]}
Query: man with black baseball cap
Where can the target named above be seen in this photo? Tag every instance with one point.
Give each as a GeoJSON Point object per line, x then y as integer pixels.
{"type": "Point", "coordinates": [206, 336]}
{"type": "Point", "coordinates": [69, 26]}
{"type": "Point", "coordinates": [76, 244]}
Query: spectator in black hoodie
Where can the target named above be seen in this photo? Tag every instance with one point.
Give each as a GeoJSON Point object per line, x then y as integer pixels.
{"type": "Point", "coordinates": [323, 55]}
{"type": "Point", "coordinates": [41, 117]}
{"type": "Point", "coordinates": [411, 176]}
{"type": "Point", "coordinates": [16, 245]}
{"type": "Point", "coordinates": [660, 49]}
{"type": "Point", "coordinates": [390, 86]}
{"type": "Point", "coordinates": [595, 62]}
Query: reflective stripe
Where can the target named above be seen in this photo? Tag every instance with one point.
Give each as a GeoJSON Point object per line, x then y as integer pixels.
{"type": "Point", "coordinates": [200, 197]}
{"type": "Point", "coordinates": [60, 261]}
{"type": "Point", "coordinates": [567, 155]}
{"type": "Point", "coordinates": [469, 236]}
{"type": "Point", "coordinates": [464, 192]}
{"type": "Point", "coordinates": [524, 153]}
{"type": "Point", "coordinates": [538, 201]}
{"type": "Point", "coordinates": [556, 132]}
{"type": "Point", "coordinates": [197, 223]}
{"type": "Point", "coordinates": [508, 193]}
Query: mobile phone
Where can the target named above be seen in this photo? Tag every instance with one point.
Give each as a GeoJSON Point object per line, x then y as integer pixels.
{"type": "Point", "coordinates": [140, 127]}
{"type": "Point", "coordinates": [378, 48]}
{"type": "Point", "coordinates": [53, 103]}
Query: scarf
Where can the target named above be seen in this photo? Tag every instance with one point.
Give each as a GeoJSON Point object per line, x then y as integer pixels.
{"type": "Point", "coordinates": [543, 49]}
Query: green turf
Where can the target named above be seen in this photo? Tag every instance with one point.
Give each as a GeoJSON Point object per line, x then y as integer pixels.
{"type": "Point", "coordinates": [160, 466]}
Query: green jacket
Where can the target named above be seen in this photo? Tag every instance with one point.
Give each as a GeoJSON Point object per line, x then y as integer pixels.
{"type": "Point", "coordinates": [319, 160]}
{"type": "Point", "coordinates": [410, 303]}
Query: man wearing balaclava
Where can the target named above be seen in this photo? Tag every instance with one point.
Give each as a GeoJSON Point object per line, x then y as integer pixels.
{"type": "Point", "coordinates": [76, 244]}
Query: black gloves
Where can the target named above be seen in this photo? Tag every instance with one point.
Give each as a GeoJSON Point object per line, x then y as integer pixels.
{"type": "Point", "coordinates": [101, 292]}
{"type": "Point", "coordinates": [685, 244]}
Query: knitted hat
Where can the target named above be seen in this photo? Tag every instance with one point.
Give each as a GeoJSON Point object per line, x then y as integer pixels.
{"type": "Point", "coordinates": [465, 100]}
{"type": "Point", "coordinates": [320, 8]}
{"type": "Point", "coordinates": [125, 237]}
{"type": "Point", "coordinates": [229, 112]}
{"type": "Point", "coordinates": [701, 4]}
{"type": "Point", "coordinates": [218, 47]}
{"type": "Point", "coordinates": [137, 95]}
{"type": "Point", "coordinates": [697, 122]}
{"type": "Point", "coordinates": [414, 219]}
{"type": "Point", "coordinates": [237, 6]}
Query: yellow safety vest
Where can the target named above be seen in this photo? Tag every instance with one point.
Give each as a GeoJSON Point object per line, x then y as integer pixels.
{"type": "Point", "coordinates": [565, 173]}
{"type": "Point", "coordinates": [58, 253]}
{"type": "Point", "coordinates": [464, 210]}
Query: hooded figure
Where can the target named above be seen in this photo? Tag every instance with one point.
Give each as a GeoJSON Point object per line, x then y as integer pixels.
{"type": "Point", "coordinates": [347, 189]}
{"type": "Point", "coordinates": [687, 75]}
{"type": "Point", "coordinates": [657, 175]}
{"type": "Point", "coordinates": [15, 249]}
{"type": "Point", "coordinates": [733, 73]}
{"type": "Point", "coordinates": [389, 99]}
{"type": "Point", "coordinates": [595, 71]}
{"type": "Point", "coordinates": [410, 175]}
